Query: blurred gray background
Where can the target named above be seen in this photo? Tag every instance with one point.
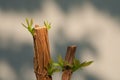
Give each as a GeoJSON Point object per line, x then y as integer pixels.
{"type": "Point", "coordinates": [92, 25]}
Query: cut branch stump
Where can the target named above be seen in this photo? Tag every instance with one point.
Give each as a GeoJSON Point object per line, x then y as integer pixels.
{"type": "Point", "coordinates": [41, 53]}
{"type": "Point", "coordinates": [69, 59]}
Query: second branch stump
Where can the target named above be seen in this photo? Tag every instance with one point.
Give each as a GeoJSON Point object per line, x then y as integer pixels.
{"type": "Point", "coordinates": [69, 59]}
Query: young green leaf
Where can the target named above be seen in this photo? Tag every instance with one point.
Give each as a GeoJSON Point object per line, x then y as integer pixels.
{"type": "Point", "coordinates": [27, 21]}
{"type": "Point", "coordinates": [84, 64]}
{"type": "Point", "coordinates": [52, 67]}
{"type": "Point", "coordinates": [47, 24]}
{"type": "Point", "coordinates": [31, 22]}
{"type": "Point", "coordinates": [29, 26]}
{"type": "Point", "coordinates": [56, 64]}
{"type": "Point", "coordinates": [78, 65]}
{"type": "Point", "coordinates": [60, 61]}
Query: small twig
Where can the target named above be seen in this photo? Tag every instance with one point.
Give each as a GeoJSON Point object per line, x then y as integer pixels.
{"type": "Point", "coordinates": [69, 59]}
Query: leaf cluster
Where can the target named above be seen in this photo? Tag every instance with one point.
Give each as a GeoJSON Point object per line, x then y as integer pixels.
{"type": "Point", "coordinates": [52, 67]}
{"type": "Point", "coordinates": [75, 66]}
{"type": "Point", "coordinates": [62, 65]}
{"type": "Point", "coordinates": [79, 65]}
{"type": "Point", "coordinates": [29, 26]}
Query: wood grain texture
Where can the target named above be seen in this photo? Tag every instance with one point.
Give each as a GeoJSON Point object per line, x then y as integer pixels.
{"type": "Point", "coordinates": [41, 53]}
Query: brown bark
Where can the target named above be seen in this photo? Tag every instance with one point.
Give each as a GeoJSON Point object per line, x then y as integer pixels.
{"type": "Point", "coordinates": [67, 73]}
{"type": "Point", "coordinates": [41, 53]}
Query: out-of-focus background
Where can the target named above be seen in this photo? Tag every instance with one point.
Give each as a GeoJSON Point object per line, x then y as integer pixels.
{"type": "Point", "coordinates": [92, 25]}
